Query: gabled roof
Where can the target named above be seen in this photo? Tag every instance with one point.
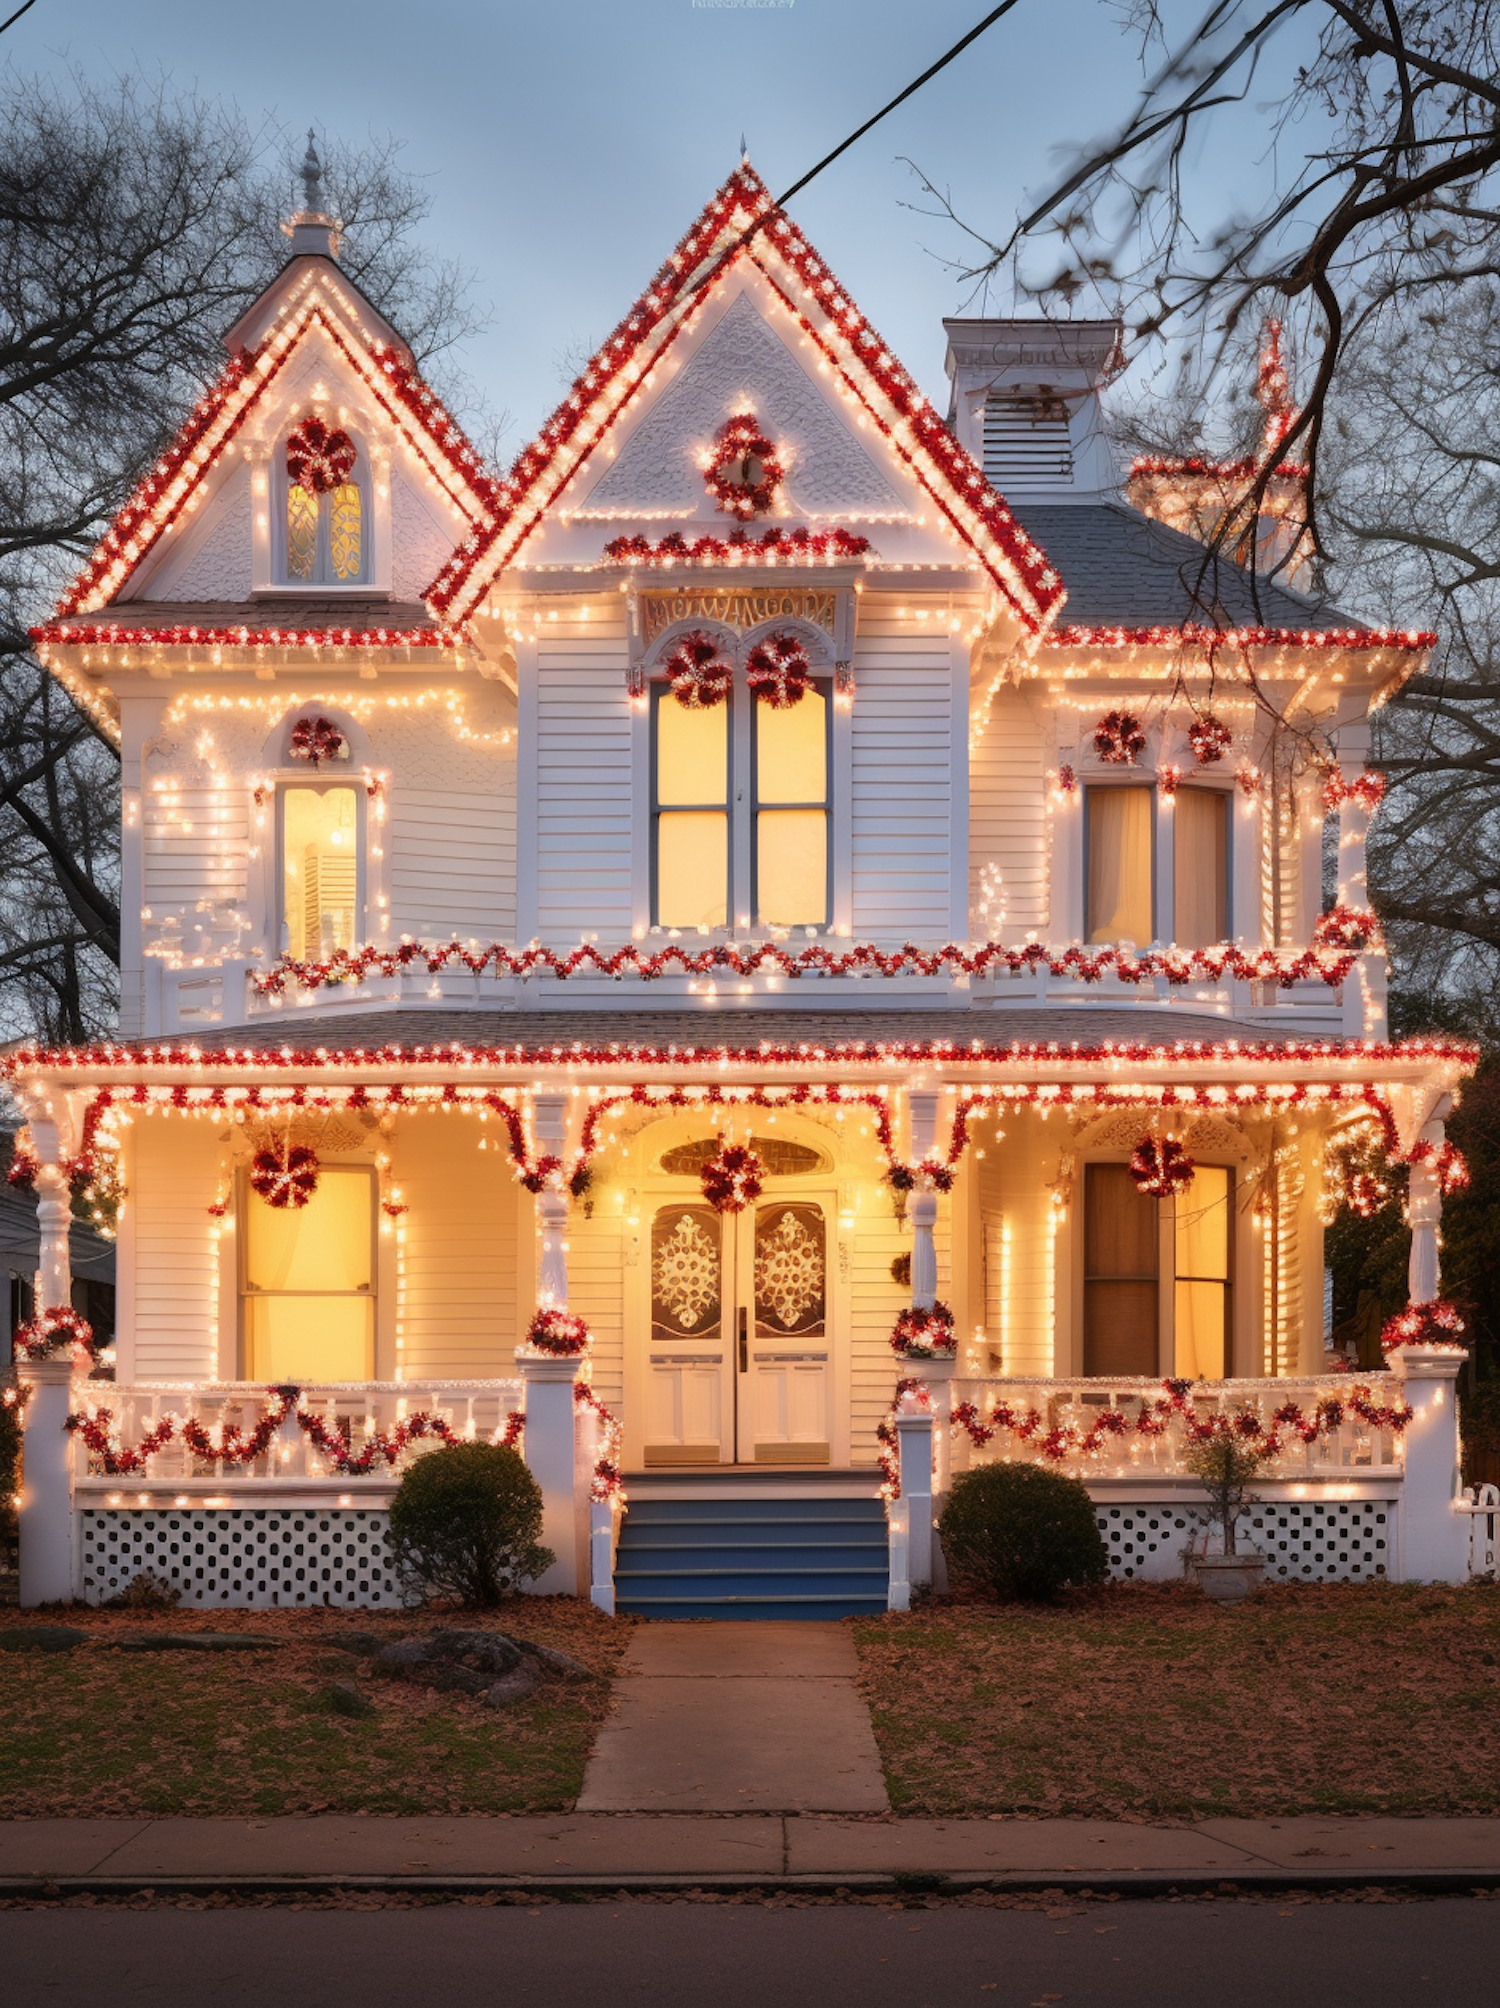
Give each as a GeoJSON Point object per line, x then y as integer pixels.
{"type": "Point", "coordinates": [414, 410]}
{"type": "Point", "coordinates": [742, 222]}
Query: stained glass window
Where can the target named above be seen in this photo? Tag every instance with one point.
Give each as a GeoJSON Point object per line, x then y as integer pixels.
{"type": "Point", "coordinates": [344, 524]}
{"type": "Point", "coordinates": [790, 1272]}
{"type": "Point", "coordinates": [301, 532]}
{"type": "Point", "coordinates": [686, 1273]}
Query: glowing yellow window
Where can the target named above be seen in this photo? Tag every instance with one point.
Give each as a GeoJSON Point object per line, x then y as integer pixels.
{"type": "Point", "coordinates": [301, 532]}
{"type": "Point", "coordinates": [1120, 904]}
{"type": "Point", "coordinates": [791, 812]}
{"type": "Point", "coordinates": [690, 814]}
{"type": "Point", "coordinates": [319, 870]}
{"type": "Point", "coordinates": [1201, 1301]}
{"type": "Point", "coordinates": [344, 526]}
{"type": "Point", "coordinates": [308, 1281]}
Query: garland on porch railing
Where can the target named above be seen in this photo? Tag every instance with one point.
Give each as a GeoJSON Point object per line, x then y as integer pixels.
{"type": "Point", "coordinates": [1436, 1325]}
{"type": "Point", "coordinates": [1058, 1442]}
{"type": "Point", "coordinates": [231, 1444]}
{"type": "Point", "coordinates": [608, 1480]}
{"type": "Point", "coordinates": [1328, 960]}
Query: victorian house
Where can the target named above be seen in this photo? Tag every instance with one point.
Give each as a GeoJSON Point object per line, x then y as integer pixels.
{"type": "Point", "coordinates": [784, 865]}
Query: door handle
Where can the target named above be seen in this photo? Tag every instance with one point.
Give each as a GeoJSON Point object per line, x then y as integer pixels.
{"type": "Point", "coordinates": [744, 1340]}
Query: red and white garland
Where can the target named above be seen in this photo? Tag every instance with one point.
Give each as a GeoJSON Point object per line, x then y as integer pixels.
{"type": "Point", "coordinates": [1436, 1325]}
{"type": "Point", "coordinates": [798, 546]}
{"type": "Point", "coordinates": [57, 1330]}
{"type": "Point", "coordinates": [318, 739]}
{"type": "Point", "coordinates": [319, 457]}
{"type": "Point", "coordinates": [608, 1481]}
{"type": "Point", "coordinates": [1447, 1161]}
{"type": "Point", "coordinates": [1160, 1168]}
{"type": "Point", "coordinates": [1349, 927]}
{"type": "Point", "coordinates": [778, 671]}
{"type": "Point", "coordinates": [734, 1179]}
{"type": "Point", "coordinates": [558, 1332]}
{"type": "Point", "coordinates": [744, 473]}
{"type": "Point", "coordinates": [699, 675]}
{"type": "Point", "coordinates": [284, 1174]}
{"type": "Point", "coordinates": [925, 1333]}
{"type": "Point", "coordinates": [1118, 738]}
{"type": "Point", "coordinates": [1210, 739]}
{"type": "Point", "coordinates": [1368, 789]}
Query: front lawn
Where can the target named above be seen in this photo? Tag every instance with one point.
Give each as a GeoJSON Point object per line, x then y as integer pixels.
{"type": "Point", "coordinates": [103, 1732]}
{"type": "Point", "coordinates": [1144, 1701]}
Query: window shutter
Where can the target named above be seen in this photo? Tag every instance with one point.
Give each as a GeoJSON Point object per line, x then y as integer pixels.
{"type": "Point", "coordinates": [1026, 443]}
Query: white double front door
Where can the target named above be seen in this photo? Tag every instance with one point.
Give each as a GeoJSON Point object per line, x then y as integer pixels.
{"type": "Point", "coordinates": [736, 1350]}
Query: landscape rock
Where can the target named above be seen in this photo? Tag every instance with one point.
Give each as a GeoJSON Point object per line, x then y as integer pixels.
{"type": "Point", "coordinates": [193, 1642]}
{"type": "Point", "coordinates": [41, 1638]}
{"type": "Point", "coordinates": [345, 1699]}
{"type": "Point", "coordinates": [364, 1645]}
{"type": "Point", "coordinates": [557, 1662]}
{"type": "Point", "coordinates": [459, 1662]}
{"type": "Point", "coordinates": [514, 1687]}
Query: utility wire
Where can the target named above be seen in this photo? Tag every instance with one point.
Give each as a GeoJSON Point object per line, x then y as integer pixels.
{"type": "Point", "coordinates": [926, 76]}
{"type": "Point", "coordinates": [26, 6]}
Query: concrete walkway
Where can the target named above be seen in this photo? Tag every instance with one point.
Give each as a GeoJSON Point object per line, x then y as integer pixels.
{"type": "Point", "coordinates": [736, 1718]}
{"type": "Point", "coordinates": [677, 1850]}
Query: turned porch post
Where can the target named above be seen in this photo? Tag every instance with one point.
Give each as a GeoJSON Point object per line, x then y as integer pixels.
{"type": "Point", "coordinates": [1425, 1210]}
{"type": "Point", "coordinates": [922, 1210]}
{"type": "Point", "coordinates": [550, 1128]}
{"type": "Point", "coordinates": [46, 1505]}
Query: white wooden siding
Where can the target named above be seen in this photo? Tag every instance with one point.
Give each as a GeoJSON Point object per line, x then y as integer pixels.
{"type": "Point", "coordinates": [453, 861]}
{"type": "Point", "coordinates": [173, 1171]}
{"type": "Point", "coordinates": [598, 1250]}
{"type": "Point", "coordinates": [1015, 1205]}
{"type": "Point", "coordinates": [902, 793]}
{"type": "Point", "coordinates": [195, 847]}
{"type": "Point", "coordinates": [457, 1307]}
{"type": "Point", "coordinates": [1007, 818]}
{"type": "Point", "coordinates": [583, 782]}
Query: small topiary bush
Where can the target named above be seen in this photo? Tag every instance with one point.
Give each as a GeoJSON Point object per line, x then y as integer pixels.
{"type": "Point", "coordinates": [465, 1521]}
{"type": "Point", "coordinates": [1021, 1531]}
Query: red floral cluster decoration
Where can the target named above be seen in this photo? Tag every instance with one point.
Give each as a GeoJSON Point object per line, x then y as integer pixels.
{"type": "Point", "coordinates": [1348, 927]}
{"type": "Point", "coordinates": [284, 1174]}
{"type": "Point", "coordinates": [742, 220]}
{"type": "Point", "coordinates": [778, 671]}
{"type": "Point", "coordinates": [319, 457]}
{"type": "Point", "coordinates": [58, 1329]}
{"type": "Point", "coordinates": [1290, 1423]}
{"type": "Point", "coordinates": [925, 1332]}
{"type": "Point", "coordinates": [1210, 739]}
{"type": "Point", "coordinates": [1192, 635]}
{"type": "Point", "coordinates": [1368, 789]}
{"type": "Point", "coordinates": [1447, 1160]}
{"type": "Point", "coordinates": [745, 473]}
{"type": "Point", "coordinates": [1118, 738]}
{"type": "Point", "coordinates": [699, 675]}
{"type": "Point", "coordinates": [1322, 963]}
{"type": "Point", "coordinates": [734, 1179]}
{"type": "Point", "coordinates": [799, 546]}
{"type": "Point", "coordinates": [1436, 1324]}
{"type": "Point", "coordinates": [318, 739]}
{"type": "Point", "coordinates": [1160, 1168]}
{"type": "Point", "coordinates": [885, 1433]}
{"type": "Point", "coordinates": [558, 1332]}
{"type": "Point", "coordinates": [112, 635]}
{"type": "Point", "coordinates": [232, 1445]}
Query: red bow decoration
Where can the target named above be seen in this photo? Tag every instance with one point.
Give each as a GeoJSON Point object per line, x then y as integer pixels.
{"type": "Point", "coordinates": [1160, 1169]}
{"type": "Point", "coordinates": [699, 676]}
{"type": "Point", "coordinates": [285, 1174]}
{"type": "Point", "coordinates": [319, 457]}
{"type": "Point", "coordinates": [732, 1180]}
{"type": "Point", "coordinates": [778, 672]}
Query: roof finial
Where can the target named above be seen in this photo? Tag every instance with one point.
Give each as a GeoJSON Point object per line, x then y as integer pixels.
{"type": "Point", "coordinates": [744, 151]}
{"type": "Point", "coordinates": [312, 176]}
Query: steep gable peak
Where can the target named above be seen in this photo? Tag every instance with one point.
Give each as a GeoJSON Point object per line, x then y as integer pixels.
{"type": "Point", "coordinates": [743, 226]}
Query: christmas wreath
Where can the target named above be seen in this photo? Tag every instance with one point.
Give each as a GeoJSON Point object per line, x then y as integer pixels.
{"type": "Point", "coordinates": [699, 675]}
{"type": "Point", "coordinates": [319, 457]}
{"type": "Point", "coordinates": [1160, 1168]}
{"type": "Point", "coordinates": [1118, 738]}
{"type": "Point", "coordinates": [558, 1332]}
{"type": "Point", "coordinates": [1209, 738]}
{"type": "Point", "coordinates": [284, 1174]}
{"type": "Point", "coordinates": [317, 740]}
{"type": "Point", "coordinates": [733, 1180]}
{"type": "Point", "coordinates": [1435, 1323]}
{"type": "Point", "coordinates": [924, 1334]}
{"type": "Point", "coordinates": [59, 1329]}
{"type": "Point", "coordinates": [777, 671]}
{"type": "Point", "coordinates": [744, 473]}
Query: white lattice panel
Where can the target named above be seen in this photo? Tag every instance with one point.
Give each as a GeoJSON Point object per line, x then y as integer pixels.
{"type": "Point", "coordinates": [237, 1559]}
{"type": "Point", "coordinates": [1304, 1541]}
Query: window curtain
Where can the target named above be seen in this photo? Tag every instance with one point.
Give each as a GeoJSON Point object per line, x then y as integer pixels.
{"type": "Point", "coordinates": [1119, 864]}
{"type": "Point", "coordinates": [1200, 868]}
{"type": "Point", "coordinates": [1120, 1228]}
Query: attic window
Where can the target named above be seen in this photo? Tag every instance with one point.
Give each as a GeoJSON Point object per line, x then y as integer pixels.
{"type": "Point", "coordinates": [1027, 447]}
{"type": "Point", "coordinates": [324, 519]}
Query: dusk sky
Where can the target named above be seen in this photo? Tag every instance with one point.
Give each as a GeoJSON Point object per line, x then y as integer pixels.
{"type": "Point", "coordinates": [568, 146]}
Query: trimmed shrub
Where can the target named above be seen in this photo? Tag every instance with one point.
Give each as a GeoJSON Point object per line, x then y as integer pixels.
{"type": "Point", "coordinates": [1021, 1531]}
{"type": "Point", "coordinates": [465, 1521]}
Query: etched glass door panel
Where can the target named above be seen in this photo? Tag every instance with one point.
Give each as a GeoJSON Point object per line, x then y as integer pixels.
{"type": "Point", "coordinates": [784, 1407]}
{"type": "Point", "coordinates": [688, 1398]}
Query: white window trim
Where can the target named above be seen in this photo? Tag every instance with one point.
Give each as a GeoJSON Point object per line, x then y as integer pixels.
{"type": "Point", "coordinates": [268, 553]}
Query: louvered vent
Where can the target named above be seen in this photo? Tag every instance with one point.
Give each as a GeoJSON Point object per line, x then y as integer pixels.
{"type": "Point", "coordinates": [1026, 443]}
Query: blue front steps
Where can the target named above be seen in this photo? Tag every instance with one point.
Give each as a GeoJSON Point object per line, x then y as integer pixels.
{"type": "Point", "coordinates": [749, 1557]}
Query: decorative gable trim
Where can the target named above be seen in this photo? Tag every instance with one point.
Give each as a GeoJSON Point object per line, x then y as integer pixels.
{"type": "Point", "coordinates": [742, 221]}
{"type": "Point", "coordinates": [416, 413]}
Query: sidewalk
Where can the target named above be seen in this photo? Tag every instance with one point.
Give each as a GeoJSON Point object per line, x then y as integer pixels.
{"type": "Point", "coordinates": [741, 1852]}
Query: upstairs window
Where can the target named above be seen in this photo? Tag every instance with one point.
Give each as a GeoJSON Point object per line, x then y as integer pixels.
{"type": "Point", "coordinates": [791, 812]}
{"type": "Point", "coordinates": [690, 813]}
{"type": "Point", "coordinates": [320, 894]}
{"type": "Point", "coordinates": [325, 521]}
{"type": "Point", "coordinates": [1119, 903]}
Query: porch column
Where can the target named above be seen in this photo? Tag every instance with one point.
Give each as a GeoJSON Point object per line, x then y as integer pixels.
{"type": "Point", "coordinates": [550, 1125]}
{"type": "Point", "coordinates": [922, 1211]}
{"type": "Point", "coordinates": [1425, 1210]}
{"type": "Point", "coordinates": [548, 1444]}
{"type": "Point", "coordinates": [1434, 1533]}
{"type": "Point", "coordinates": [1354, 828]}
{"type": "Point", "coordinates": [46, 1508]}
{"type": "Point", "coordinates": [54, 1214]}
{"type": "Point", "coordinates": [915, 1433]}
